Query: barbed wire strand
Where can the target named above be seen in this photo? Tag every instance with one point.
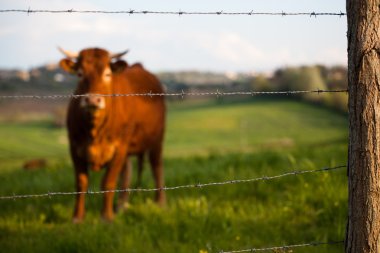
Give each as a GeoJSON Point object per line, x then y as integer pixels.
{"type": "Point", "coordinates": [199, 185]}
{"type": "Point", "coordinates": [182, 94]}
{"type": "Point", "coordinates": [178, 13]}
{"type": "Point", "coordinates": [284, 247]}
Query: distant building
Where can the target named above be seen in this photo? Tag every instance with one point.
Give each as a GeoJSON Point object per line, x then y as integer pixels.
{"type": "Point", "coordinates": [23, 75]}
{"type": "Point", "coordinates": [51, 66]}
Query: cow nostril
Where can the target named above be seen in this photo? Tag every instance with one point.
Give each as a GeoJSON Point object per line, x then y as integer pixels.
{"type": "Point", "coordinates": [99, 100]}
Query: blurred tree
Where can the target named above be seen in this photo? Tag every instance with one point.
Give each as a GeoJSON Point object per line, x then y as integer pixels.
{"type": "Point", "coordinates": [261, 83]}
{"type": "Point", "coordinates": [303, 78]}
{"type": "Point", "coordinates": [337, 78]}
{"type": "Point", "coordinates": [312, 80]}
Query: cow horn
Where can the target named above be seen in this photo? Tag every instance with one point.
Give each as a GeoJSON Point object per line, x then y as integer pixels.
{"type": "Point", "coordinates": [119, 55]}
{"type": "Point", "coordinates": [69, 54]}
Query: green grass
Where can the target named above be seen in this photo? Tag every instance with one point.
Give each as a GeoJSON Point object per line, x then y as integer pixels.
{"type": "Point", "coordinates": [206, 142]}
{"type": "Point", "coordinates": [251, 126]}
{"type": "Point", "coordinates": [20, 142]}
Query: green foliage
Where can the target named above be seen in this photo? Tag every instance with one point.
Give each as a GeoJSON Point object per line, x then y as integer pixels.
{"type": "Point", "coordinates": [204, 143]}
{"type": "Point", "coordinates": [261, 83]}
{"type": "Point", "coordinates": [314, 78]}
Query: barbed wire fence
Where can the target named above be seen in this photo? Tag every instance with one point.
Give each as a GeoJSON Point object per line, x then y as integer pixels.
{"type": "Point", "coordinates": [179, 13]}
{"type": "Point", "coordinates": [50, 195]}
{"type": "Point", "coordinates": [198, 185]}
{"type": "Point", "coordinates": [183, 94]}
{"type": "Point", "coordinates": [283, 248]}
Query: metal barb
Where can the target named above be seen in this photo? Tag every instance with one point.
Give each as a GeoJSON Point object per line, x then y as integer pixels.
{"type": "Point", "coordinates": [217, 93]}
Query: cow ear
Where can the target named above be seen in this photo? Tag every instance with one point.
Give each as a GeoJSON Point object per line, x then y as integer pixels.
{"type": "Point", "coordinates": [68, 65]}
{"type": "Point", "coordinates": [118, 66]}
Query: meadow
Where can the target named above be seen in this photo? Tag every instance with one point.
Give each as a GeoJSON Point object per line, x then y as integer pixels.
{"type": "Point", "coordinates": [206, 141]}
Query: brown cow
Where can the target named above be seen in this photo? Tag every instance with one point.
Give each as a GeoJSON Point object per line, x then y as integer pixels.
{"type": "Point", "coordinates": [105, 130]}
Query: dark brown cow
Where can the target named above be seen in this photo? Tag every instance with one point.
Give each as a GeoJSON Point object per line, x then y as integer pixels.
{"type": "Point", "coordinates": [104, 130]}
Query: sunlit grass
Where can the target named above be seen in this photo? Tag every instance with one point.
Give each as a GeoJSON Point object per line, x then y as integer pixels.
{"type": "Point", "coordinates": [281, 136]}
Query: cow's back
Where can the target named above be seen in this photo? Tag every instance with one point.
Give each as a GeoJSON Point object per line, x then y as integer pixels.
{"type": "Point", "coordinates": [148, 111]}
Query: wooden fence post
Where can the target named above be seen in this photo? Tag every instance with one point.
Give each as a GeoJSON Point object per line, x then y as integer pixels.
{"type": "Point", "coordinates": [363, 227]}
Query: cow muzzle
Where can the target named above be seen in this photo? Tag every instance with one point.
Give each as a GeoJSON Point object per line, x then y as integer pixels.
{"type": "Point", "coordinates": [93, 102]}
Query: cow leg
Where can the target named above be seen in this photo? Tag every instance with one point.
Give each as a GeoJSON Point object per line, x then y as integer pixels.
{"type": "Point", "coordinates": [109, 184]}
{"type": "Point", "coordinates": [155, 157]}
{"type": "Point", "coordinates": [82, 186]}
{"type": "Point", "coordinates": [81, 180]}
{"type": "Point", "coordinates": [125, 181]}
{"type": "Point", "coordinates": [140, 167]}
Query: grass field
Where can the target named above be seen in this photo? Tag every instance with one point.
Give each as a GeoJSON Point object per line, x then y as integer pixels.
{"type": "Point", "coordinates": [205, 142]}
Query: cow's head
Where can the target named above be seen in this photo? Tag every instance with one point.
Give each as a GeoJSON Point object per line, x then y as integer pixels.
{"type": "Point", "coordinates": [95, 69]}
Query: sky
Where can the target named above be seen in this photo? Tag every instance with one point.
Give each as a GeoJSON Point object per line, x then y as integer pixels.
{"type": "Point", "coordinates": [178, 43]}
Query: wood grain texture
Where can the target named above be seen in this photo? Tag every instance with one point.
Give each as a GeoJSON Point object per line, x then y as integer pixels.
{"type": "Point", "coordinates": [363, 228]}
